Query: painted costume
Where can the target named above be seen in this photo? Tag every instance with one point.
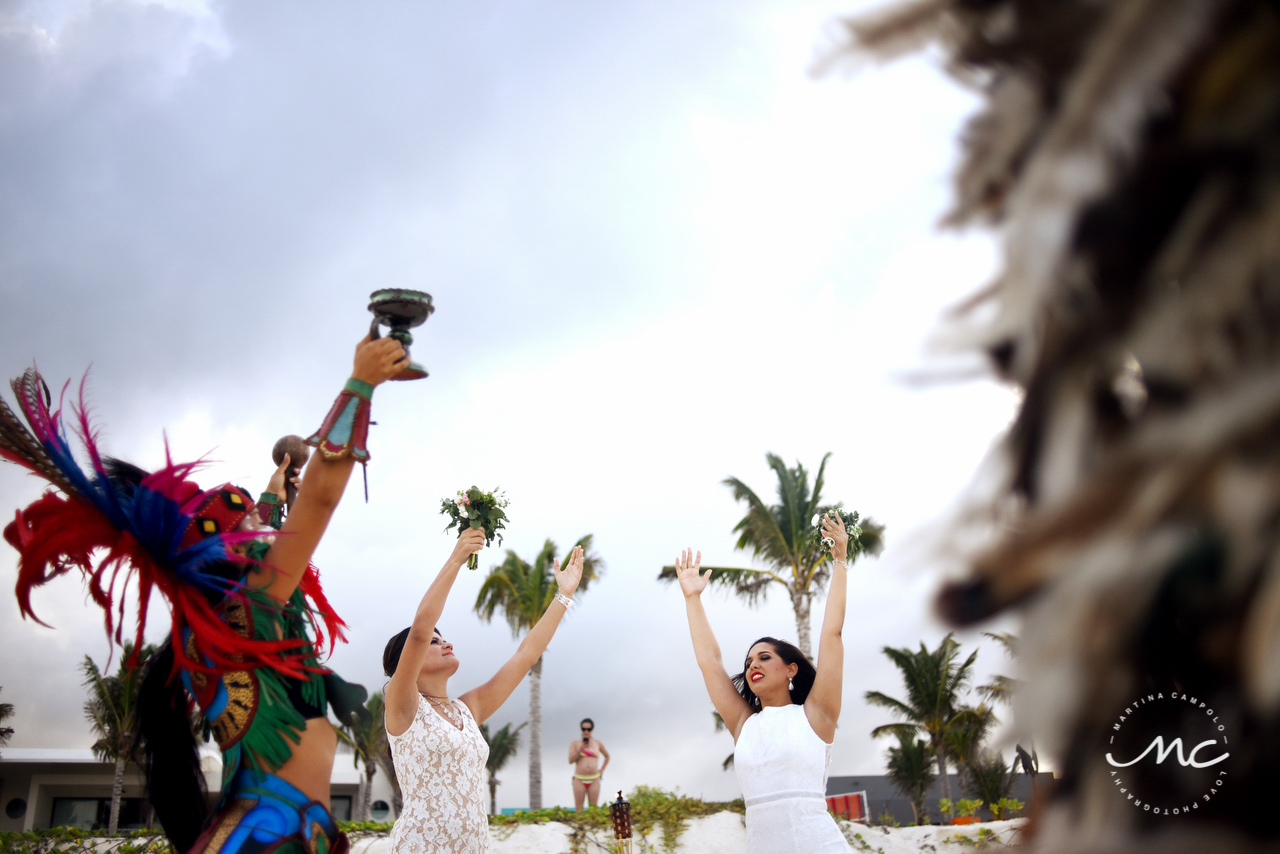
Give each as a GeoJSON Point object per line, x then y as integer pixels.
{"type": "Point", "coordinates": [249, 662]}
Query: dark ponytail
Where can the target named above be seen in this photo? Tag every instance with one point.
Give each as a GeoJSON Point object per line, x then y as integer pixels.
{"type": "Point", "coordinates": [175, 783]}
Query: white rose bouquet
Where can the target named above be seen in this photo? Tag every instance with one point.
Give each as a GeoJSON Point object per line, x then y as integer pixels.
{"type": "Point", "coordinates": [850, 525]}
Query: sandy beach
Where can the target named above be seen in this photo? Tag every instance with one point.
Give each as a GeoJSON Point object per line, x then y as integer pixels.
{"type": "Point", "coordinates": [724, 833]}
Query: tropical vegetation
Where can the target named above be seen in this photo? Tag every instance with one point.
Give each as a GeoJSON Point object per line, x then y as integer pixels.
{"type": "Point", "coordinates": [368, 744]}
{"type": "Point", "coordinates": [934, 682]}
{"type": "Point", "coordinates": [522, 591]}
{"type": "Point", "coordinates": [911, 770]}
{"type": "Point", "coordinates": [783, 537]}
{"type": "Point", "coordinates": [112, 712]}
{"type": "Point", "coordinates": [503, 745]}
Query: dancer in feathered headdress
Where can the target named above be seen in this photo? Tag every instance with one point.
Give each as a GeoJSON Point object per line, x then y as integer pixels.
{"type": "Point", "coordinates": [248, 614]}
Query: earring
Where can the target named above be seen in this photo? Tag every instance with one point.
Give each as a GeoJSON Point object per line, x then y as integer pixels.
{"type": "Point", "coordinates": [791, 686]}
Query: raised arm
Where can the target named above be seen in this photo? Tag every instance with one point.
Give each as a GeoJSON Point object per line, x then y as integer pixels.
{"type": "Point", "coordinates": [485, 700]}
{"type": "Point", "coordinates": [323, 483]}
{"type": "Point", "coordinates": [823, 704]}
{"type": "Point", "coordinates": [728, 702]}
{"type": "Point", "coordinates": [402, 691]}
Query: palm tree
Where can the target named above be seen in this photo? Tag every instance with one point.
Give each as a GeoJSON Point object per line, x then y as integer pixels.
{"type": "Point", "coordinates": [6, 732]}
{"type": "Point", "coordinates": [112, 710]}
{"type": "Point", "coordinates": [523, 592]}
{"type": "Point", "coordinates": [911, 771]}
{"type": "Point", "coordinates": [368, 742]}
{"type": "Point", "coordinates": [784, 537]}
{"type": "Point", "coordinates": [934, 682]}
{"type": "Point", "coordinates": [502, 746]}
{"type": "Point", "coordinates": [965, 740]}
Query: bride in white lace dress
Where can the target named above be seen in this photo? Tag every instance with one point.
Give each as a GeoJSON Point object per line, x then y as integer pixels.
{"type": "Point", "coordinates": [436, 744]}
{"type": "Point", "coordinates": [782, 713]}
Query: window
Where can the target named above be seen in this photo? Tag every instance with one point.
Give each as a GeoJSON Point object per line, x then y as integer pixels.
{"type": "Point", "coordinates": [17, 808]}
{"type": "Point", "coordinates": [379, 811]}
{"type": "Point", "coordinates": [340, 807]}
{"type": "Point", "coordinates": [95, 813]}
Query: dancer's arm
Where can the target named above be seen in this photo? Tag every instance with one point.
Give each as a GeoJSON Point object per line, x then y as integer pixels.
{"type": "Point", "coordinates": [728, 702]}
{"type": "Point", "coordinates": [486, 699]}
{"type": "Point", "coordinates": [323, 483]}
{"type": "Point", "coordinates": [823, 704]}
{"type": "Point", "coordinates": [402, 691]}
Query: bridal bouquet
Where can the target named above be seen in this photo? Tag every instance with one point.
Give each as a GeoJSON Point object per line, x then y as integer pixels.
{"type": "Point", "coordinates": [476, 509]}
{"type": "Point", "coordinates": [850, 524]}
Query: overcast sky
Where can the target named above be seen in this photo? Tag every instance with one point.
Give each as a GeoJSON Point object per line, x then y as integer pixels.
{"type": "Point", "coordinates": [659, 248]}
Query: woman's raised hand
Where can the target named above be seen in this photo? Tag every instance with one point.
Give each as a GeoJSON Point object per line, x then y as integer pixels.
{"type": "Point", "coordinates": [277, 483]}
{"type": "Point", "coordinates": [687, 567]}
{"type": "Point", "coordinates": [378, 361]}
{"type": "Point", "coordinates": [833, 527]}
{"type": "Point", "coordinates": [567, 579]}
{"type": "Point", "coordinates": [471, 542]}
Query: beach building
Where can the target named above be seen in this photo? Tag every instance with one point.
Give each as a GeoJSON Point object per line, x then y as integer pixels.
{"type": "Point", "coordinates": [52, 787]}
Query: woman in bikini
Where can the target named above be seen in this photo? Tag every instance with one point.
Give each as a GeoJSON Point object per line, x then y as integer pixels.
{"type": "Point", "coordinates": [436, 744]}
{"type": "Point", "coordinates": [585, 755]}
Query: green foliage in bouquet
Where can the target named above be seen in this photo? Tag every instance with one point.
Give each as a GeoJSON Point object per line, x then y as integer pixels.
{"type": "Point", "coordinates": [851, 527]}
{"type": "Point", "coordinates": [476, 509]}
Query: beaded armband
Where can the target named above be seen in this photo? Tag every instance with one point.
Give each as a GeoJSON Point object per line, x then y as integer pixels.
{"type": "Point", "coordinates": [346, 427]}
{"type": "Point", "coordinates": [270, 510]}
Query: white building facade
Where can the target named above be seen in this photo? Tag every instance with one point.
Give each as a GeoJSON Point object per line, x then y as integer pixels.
{"type": "Point", "coordinates": [48, 787]}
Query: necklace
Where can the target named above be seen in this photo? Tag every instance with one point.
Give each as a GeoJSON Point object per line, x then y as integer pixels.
{"type": "Point", "coordinates": [447, 708]}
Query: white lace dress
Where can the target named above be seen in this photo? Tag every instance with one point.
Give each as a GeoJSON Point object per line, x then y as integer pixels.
{"type": "Point", "coordinates": [782, 767]}
{"type": "Point", "coordinates": [442, 776]}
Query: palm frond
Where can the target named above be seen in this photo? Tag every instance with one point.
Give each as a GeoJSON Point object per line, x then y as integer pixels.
{"type": "Point", "coordinates": [522, 591]}
{"type": "Point", "coordinates": [895, 729]}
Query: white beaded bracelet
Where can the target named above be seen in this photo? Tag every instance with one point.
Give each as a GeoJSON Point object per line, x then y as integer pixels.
{"type": "Point", "coordinates": [841, 562]}
{"type": "Point", "coordinates": [563, 600]}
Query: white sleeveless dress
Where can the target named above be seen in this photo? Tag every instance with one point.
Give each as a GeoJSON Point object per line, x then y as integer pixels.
{"type": "Point", "coordinates": [782, 768]}
{"type": "Point", "coordinates": [442, 777]}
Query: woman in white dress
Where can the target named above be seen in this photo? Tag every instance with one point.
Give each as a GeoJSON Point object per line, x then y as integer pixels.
{"type": "Point", "coordinates": [436, 744]}
{"type": "Point", "coordinates": [782, 714]}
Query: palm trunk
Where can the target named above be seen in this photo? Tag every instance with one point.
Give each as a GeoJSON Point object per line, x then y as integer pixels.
{"type": "Point", "coordinates": [942, 770]}
{"type": "Point", "coordinates": [365, 802]}
{"type": "Point", "coordinates": [493, 794]}
{"type": "Point", "coordinates": [535, 735]}
{"type": "Point", "coordinates": [801, 600]}
{"type": "Point", "coordinates": [117, 788]}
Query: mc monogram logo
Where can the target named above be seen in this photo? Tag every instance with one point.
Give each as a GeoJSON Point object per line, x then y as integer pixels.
{"type": "Point", "coordinates": [1153, 769]}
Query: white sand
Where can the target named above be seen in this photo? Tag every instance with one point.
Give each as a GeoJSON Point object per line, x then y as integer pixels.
{"type": "Point", "coordinates": [725, 833]}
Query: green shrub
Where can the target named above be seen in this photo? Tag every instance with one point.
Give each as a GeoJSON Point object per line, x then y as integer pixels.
{"type": "Point", "coordinates": [967, 807]}
{"type": "Point", "coordinates": [1006, 808]}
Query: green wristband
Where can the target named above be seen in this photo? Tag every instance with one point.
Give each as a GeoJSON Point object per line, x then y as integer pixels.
{"type": "Point", "coordinates": [269, 498]}
{"type": "Point", "coordinates": [359, 387]}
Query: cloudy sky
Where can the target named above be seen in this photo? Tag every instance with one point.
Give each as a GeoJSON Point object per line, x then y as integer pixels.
{"type": "Point", "coordinates": [659, 248]}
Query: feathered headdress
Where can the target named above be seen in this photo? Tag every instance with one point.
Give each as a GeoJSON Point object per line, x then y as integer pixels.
{"type": "Point", "coordinates": [165, 530]}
